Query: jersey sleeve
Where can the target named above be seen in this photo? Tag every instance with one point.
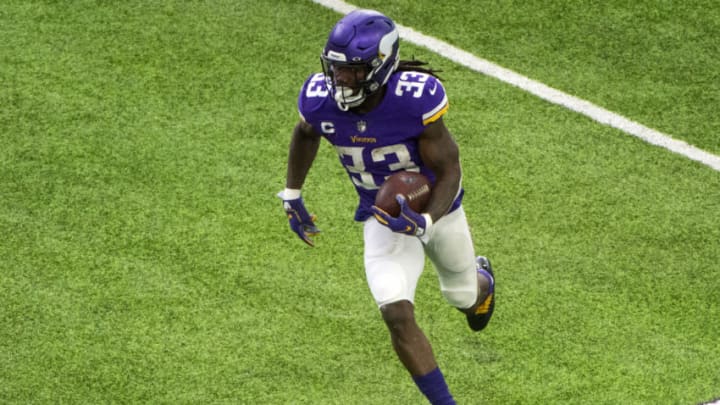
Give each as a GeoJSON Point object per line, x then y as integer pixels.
{"type": "Point", "coordinates": [422, 94]}
{"type": "Point", "coordinates": [435, 101]}
{"type": "Point", "coordinates": [311, 97]}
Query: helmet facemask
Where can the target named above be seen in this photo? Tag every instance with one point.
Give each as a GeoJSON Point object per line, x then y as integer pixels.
{"type": "Point", "coordinates": [349, 96]}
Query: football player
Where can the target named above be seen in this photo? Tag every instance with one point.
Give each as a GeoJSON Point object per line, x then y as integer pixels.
{"type": "Point", "coordinates": [385, 115]}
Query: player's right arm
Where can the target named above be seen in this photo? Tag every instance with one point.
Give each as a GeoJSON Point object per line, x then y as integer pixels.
{"type": "Point", "coordinates": [303, 149]}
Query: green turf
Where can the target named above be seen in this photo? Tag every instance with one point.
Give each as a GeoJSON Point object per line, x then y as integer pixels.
{"type": "Point", "coordinates": [146, 259]}
{"type": "Point", "coordinates": [653, 61]}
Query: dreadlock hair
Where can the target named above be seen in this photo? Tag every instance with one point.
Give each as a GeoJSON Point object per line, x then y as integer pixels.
{"type": "Point", "coordinates": [417, 66]}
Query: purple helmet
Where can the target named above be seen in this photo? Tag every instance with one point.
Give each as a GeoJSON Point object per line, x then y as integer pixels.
{"type": "Point", "coordinates": [363, 38]}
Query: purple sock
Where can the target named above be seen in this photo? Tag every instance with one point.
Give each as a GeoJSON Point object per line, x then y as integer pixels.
{"type": "Point", "coordinates": [434, 387]}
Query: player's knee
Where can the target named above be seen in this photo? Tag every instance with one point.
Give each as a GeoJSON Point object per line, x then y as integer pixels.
{"type": "Point", "coordinates": [397, 312]}
{"type": "Point", "coordinates": [387, 288]}
{"type": "Point", "coordinates": [460, 298]}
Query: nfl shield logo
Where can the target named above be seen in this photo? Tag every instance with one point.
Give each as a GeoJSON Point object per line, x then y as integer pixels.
{"type": "Point", "coordinates": [361, 126]}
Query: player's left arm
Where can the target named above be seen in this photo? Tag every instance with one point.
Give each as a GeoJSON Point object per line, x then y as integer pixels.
{"type": "Point", "coordinates": [440, 154]}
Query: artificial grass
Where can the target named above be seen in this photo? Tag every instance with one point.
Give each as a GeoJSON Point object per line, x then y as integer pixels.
{"type": "Point", "coordinates": [147, 259]}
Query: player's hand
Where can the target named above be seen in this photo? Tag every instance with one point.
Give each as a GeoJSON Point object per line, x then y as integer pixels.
{"type": "Point", "coordinates": [408, 222]}
{"type": "Point", "coordinates": [302, 223]}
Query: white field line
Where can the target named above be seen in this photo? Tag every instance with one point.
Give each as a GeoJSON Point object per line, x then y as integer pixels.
{"type": "Point", "coordinates": [547, 93]}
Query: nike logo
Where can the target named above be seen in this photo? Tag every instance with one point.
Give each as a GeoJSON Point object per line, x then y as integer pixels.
{"type": "Point", "coordinates": [434, 89]}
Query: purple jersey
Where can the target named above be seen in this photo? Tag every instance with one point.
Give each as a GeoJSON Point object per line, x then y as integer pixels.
{"type": "Point", "coordinates": [374, 145]}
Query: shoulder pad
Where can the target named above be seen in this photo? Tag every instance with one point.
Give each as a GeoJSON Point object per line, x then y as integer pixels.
{"type": "Point", "coordinates": [424, 91]}
{"type": "Point", "coordinates": [312, 95]}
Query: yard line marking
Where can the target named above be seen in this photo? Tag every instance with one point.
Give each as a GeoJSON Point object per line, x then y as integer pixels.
{"type": "Point", "coordinates": [543, 91]}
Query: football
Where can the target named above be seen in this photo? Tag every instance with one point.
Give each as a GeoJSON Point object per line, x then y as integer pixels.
{"type": "Point", "coordinates": [414, 186]}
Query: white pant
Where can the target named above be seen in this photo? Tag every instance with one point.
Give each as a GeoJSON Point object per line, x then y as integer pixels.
{"type": "Point", "coordinates": [394, 261]}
